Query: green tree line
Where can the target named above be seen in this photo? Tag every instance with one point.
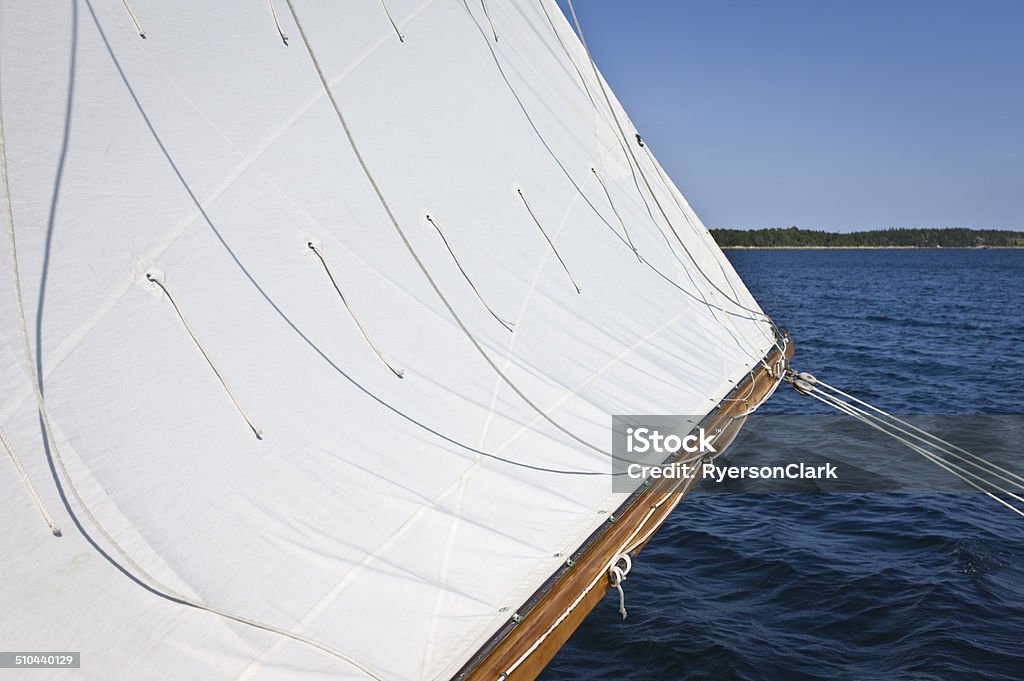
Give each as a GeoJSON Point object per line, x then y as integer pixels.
{"type": "Point", "coordinates": [792, 237]}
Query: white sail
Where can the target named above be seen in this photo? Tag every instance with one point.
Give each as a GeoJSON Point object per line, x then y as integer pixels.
{"type": "Point", "coordinates": [184, 206]}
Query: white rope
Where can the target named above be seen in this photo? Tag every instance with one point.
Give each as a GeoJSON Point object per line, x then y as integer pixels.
{"type": "Point", "coordinates": [617, 575]}
{"type": "Point", "coordinates": [401, 38]}
{"type": "Point", "coordinates": [206, 356]}
{"type": "Point", "coordinates": [135, 20]}
{"type": "Point", "coordinates": [277, 23]}
{"type": "Point", "coordinates": [507, 324]}
{"type": "Point", "coordinates": [668, 221]}
{"type": "Point", "coordinates": [611, 203]}
{"type": "Point", "coordinates": [548, 239]}
{"type": "Point", "coordinates": [134, 569]}
{"type": "Point", "coordinates": [334, 282]}
{"type": "Point", "coordinates": [415, 256]}
{"type": "Point", "coordinates": [27, 482]}
{"type": "Point", "coordinates": [16, 281]}
{"type": "Point", "coordinates": [487, 14]}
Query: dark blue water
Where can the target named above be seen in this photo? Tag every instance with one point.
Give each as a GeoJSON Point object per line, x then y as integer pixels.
{"type": "Point", "coordinates": [845, 586]}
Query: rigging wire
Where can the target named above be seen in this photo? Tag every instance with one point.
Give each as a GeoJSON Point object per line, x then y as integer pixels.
{"type": "Point", "coordinates": [929, 446]}
{"type": "Point", "coordinates": [675, 233]}
{"type": "Point", "coordinates": [507, 324]}
{"type": "Point", "coordinates": [355, 318]}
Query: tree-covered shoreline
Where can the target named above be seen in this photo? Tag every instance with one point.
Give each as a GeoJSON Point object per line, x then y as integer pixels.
{"type": "Point", "coordinates": [793, 237]}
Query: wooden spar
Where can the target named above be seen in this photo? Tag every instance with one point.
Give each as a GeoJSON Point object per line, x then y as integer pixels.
{"type": "Point", "coordinates": [634, 523]}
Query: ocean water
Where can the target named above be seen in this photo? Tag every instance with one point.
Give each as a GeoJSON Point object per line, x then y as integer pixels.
{"type": "Point", "coordinates": [845, 586]}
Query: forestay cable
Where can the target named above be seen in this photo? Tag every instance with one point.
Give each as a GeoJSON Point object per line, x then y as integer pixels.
{"type": "Point", "coordinates": [976, 472]}
{"type": "Point", "coordinates": [548, 239]}
{"type": "Point", "coordinates": [507, 324]}
{"type": "Point", "coordinates": [206, 355]}
{"type": "Point", "coordinates": [334, 282]}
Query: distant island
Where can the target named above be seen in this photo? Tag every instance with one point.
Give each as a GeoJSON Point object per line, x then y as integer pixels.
{"type": "Point", "coordinates": [794, 237]}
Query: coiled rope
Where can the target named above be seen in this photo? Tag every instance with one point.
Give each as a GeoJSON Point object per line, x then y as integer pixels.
{"type": "Point", "coordinates": [206, 355]}
{"type": "Point", "coordinates": [334, 282]}
{"type": "Point", "coordinates": [135, 19]}
{"type": "Point", "coordinates": [507, 324]}
{"type": "Point", "coordinates": [617, 575]}
{"type": "Point", "coordinates": [548, 239]}
{"type": "Point", "coordinates": [976, 471]}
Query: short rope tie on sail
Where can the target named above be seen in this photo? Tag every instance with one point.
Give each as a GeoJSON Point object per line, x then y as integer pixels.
{"type": "Point", "coordinates": [504, 322]}
{"type": "Point", "coordinates": [974, 470]}
{"type": "Point", "coordinates": [334, 282]}
{"type": "Point", "coordinates": [548, 239]}
{"type": "Point", "coordinates": [135, 20]}
{"type": "Point", "coordinates": [277, 23]}
{"type": "Point", "coordinates": [401, 37]}
{"type": "Point", "coordinates": [617, 575]}
{"type": "Point", "coordinates": [206, 355]}
{"type": "Point", "coordinates": [615, 210]}
{"type": "Point", "coordinates": [27, 482]}
{"type": "Point", "coordinates": [487, 13]}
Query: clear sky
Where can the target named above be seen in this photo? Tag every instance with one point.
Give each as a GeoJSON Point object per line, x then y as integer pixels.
{"type": "Point", "coordinates": [825, 114]}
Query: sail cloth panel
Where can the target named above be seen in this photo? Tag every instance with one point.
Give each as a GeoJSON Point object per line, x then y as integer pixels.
{"type": "Point", "coordinates": [371, 516]}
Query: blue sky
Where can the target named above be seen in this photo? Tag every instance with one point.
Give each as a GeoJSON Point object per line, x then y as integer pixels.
{"type": "Point", "coordinates": [826, 114]}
